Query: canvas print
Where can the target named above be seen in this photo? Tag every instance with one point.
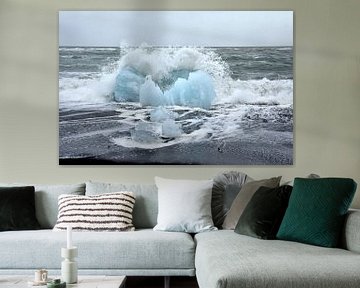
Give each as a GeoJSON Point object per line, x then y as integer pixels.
{"type": "Point", "coordinates": [176, 87]}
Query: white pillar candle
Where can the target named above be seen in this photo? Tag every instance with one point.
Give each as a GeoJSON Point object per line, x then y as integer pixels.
{"type": "Point", "coordinates": [69, 237]}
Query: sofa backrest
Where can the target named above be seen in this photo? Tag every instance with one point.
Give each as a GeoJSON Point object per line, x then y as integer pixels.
{"type": "Point", "coordinates": [46, 200]}
{"type": "Point", "coordinates": [146, 203]}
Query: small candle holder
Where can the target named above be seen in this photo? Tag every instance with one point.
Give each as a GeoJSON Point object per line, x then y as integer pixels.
{"type": "Point", "coordinates": [69, 271]}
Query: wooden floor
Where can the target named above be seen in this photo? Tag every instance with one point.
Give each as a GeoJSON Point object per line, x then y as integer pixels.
{"type": "Point", "coordinates": [158, 282]}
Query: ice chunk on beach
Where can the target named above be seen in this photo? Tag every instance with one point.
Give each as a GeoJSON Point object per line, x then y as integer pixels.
{"type": "Point", "coordinates": [149, 126]}
{"type": "Point", "coordinates": [146, 132]}
{"type": "Point", "coordinates": [151, 132]}
{"type": "Point", "coordinates": [171, 129]}
{"type": "Point", "coordinates": [196, 91]}
{"type": "Point", "coordinates": [160, 114]}
{"type": "Point", "coordinates": [127, 85]}
{"type": "Point", "coordinates": [150, 93]}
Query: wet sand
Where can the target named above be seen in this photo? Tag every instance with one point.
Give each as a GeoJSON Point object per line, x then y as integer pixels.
{"type": "Point", "coordinates": [85, 138]}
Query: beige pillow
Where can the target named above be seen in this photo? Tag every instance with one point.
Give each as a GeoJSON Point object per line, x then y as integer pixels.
{"type": "Point", "coordinates": [243, 198]}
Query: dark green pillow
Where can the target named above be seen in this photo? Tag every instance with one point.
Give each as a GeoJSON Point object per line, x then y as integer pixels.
{"type": "Point", "coordinates": [316, 211]}
{"type": "Point", "coordinates": [17, 208]}
{"type": "Point", "coordinates": [263, 214]}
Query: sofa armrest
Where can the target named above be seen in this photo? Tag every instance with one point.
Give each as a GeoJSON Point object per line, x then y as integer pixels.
{"type": "Point", "coordinates": [351, 234]}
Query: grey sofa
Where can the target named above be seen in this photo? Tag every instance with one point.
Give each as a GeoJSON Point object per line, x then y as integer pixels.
{"type": "Point", "coordinates": [226, 259]}
{"type": "Point", "coordinates": [218, 259]}
{"type": "Point", "coordinates": [142, 252]}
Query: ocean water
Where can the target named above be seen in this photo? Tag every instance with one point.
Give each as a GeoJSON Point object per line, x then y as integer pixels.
{"type": "Point", "coordinates": [247, 121]}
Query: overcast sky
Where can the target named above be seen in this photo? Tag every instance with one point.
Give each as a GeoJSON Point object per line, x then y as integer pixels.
{"type": "Point", "coordinates": [176, 28]}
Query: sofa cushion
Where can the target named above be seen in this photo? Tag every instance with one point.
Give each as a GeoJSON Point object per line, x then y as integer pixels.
{"type": "Point", "coordinates": [350, 239]}
{"type": "Point", "coordinates": [317, 209]}
{"type": "Point", "coordinates": [105, 212]}
{"type": "Point", "coordinates": [17, 208]}
{"type": "Point", "coordinates": [263, 215]}
{"type": "Point", "coordinates": [243, 198]}
{"type": "Point", "coordinates": [146, 205]}
{"type": "Point", "coordinates": [46, 200]}
{"type": "Point", "coordinates": [226, 187]}
{"type": "Point", "coordinates": [137, 250]}
{"type": "Point", "coordinates": [184, 205]}
{"type": "Point", "coordinates": [225, 259]}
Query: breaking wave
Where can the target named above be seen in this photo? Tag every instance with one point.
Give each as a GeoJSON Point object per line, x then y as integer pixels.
{"type": "Point", "coordinates": [167, 68]}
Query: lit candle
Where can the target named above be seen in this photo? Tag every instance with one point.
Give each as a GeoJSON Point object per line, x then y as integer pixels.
{"type": "Point", "coordinates": [69, 239]}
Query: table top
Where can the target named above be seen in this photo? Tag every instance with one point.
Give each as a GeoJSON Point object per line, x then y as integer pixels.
{"type": "Point", "coordinates": [84, 281]}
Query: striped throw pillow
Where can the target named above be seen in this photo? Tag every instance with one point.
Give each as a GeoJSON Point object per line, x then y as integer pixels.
{"type": "Point", "coordinates": [105, 212]}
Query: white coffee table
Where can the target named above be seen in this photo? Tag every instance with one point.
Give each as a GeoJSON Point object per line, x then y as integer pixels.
{"type": "Point", "coordinates": [84, 281]}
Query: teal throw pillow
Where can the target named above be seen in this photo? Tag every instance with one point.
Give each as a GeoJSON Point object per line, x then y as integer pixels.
{"type": "Point", "coordinates": [316, 211]}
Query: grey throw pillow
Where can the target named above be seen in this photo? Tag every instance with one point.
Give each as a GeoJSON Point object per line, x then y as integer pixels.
{"type": "Point", "coordinates": [226, 187]}
{"type": "Point", "coordinates": [184, 205]}
{"type": "Point", "coordinates": [242, 199]}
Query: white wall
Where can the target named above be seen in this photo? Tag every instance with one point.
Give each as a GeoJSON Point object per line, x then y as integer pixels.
{"type": "Point", "coordinates": [327, 91]}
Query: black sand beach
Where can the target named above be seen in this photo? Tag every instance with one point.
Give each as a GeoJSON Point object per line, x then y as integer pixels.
{"type": "Point", "coordinates": [86, 137]}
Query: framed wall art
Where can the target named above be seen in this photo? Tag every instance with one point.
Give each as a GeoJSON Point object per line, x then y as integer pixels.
{"type": "Point", "coordinates": [176, 87]}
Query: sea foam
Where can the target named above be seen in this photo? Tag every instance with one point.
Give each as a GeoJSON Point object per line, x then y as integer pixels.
{"type": "Point", "coordinates": [184, 76]}
{"type": "Point", "coordinates": [260, 92]}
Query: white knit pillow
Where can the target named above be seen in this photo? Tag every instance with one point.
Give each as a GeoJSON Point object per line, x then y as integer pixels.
{"type": "Point", "coordinates": [105, 212]}
{"type": "Point", "coordinates": [184, 205]}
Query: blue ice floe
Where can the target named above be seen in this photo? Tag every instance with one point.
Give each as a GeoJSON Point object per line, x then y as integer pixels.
{"type": "Point", "coordinates": [127, 85]}
{"type": "Point", "coordinates": [195, 91]}
{"type": "Point", "coordinates": [150, 93]}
